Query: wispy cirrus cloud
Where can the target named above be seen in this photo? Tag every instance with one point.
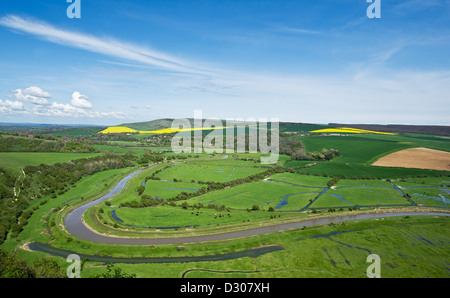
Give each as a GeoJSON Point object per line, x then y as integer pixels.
{"type": "Point", "coordinates": [366, 90]}
{"type": "Point", "coordinates": [106, 46]}
{"type": "Point", "coordinates": [293, 30]}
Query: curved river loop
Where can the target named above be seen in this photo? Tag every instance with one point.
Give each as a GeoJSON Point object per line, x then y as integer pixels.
{"type": "Point", "coordinates": [76, 226]}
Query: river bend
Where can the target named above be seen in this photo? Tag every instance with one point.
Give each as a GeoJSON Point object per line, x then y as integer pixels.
{"type": "Point", "coordinates": [76, 226]}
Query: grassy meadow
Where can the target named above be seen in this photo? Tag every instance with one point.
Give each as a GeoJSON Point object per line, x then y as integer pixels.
{"type": "Point", "coordinates": [416, 246]}
{"type": "Point", "coordinates": [15, 160]}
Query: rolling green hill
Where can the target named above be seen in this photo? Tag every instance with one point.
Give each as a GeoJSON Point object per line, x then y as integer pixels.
{"type": "Point", "coordinates": [149, 125]}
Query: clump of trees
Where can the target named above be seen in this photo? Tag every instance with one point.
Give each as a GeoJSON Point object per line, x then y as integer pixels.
{"type": "Point", "coordinates": [13, 267]}
{"type": "Point", "coordinates": [294, 147]}
{"type": "Point", "coordinates": [150, 157]}
{"type": "Point", "coordinates": [146, 201]}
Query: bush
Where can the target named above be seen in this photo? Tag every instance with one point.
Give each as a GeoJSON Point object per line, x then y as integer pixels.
{"type": "Point", "coordinates": [255, 208]}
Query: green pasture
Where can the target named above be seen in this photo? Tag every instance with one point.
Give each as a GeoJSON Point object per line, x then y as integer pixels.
{"type": "Point", "coordinates": [353, 148]}
{"type": "Point", "coordinates": [297, 127]}
{"type": "Point", "coordinates": [348, 193]}
{"type": "Point", "coordinates": [436, 197]}
{"type": "Point", "coordinates": [423, 181]}
{"type": "Point", "coordinates": [216, 170]}
{"type": "Point", "coordinates": [367, 148]}
{"type": "Point", "coordinates": [360, 197]}
{"type": "Point", "coordinates": [349, 170]}
{"type": "Point", "coordinates": [414, 247]}
{"type": "Point", "coordinates": [417, 140]}
{"type": "Point", "coordinates": [362, 183]}
{"type": "Point", "coordinates": [433, 191]}
{"type": "Point", "coordinates": [294, 189]}
{"type": "Point", "coordinates": [168, 217]}
{"type": "Point", "coordinates": [169, 189]}
{"type": "Point", "coordinates": [282, 192]}
{"type": "Point", "coordinates": [11, 160]}
{"type": "Point", "coordinates": [300, 180]}
{"type": "Point", "coordinates": [408, 247]}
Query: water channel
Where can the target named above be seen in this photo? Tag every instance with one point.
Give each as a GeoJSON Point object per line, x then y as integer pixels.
{"type": "Point", "coordinates": [75, 225]}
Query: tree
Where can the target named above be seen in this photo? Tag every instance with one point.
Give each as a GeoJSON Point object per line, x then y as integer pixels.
{"type": "Point", "coordinates": [185, 205]}
{"type": "Point", "coordinates": [47, 268]}
{"type": "Point", "coordinates": [112, 272]}
{"type": "Point", "coordinates": [13, 267]}
{"type": "Point", "coordinates": [140, 189]}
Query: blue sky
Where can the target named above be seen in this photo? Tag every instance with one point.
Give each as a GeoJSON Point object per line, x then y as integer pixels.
{"type": "Point", "coordinates": [302, 61]}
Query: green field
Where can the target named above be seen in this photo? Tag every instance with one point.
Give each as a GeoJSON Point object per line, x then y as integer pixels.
{"type": "Point", "coordinates": [284, 192]}
{"type": "Point", "coordinates": [355, 170]}
{"type": "Point", "coordinates": [14, 160]}
{"type": "Point", "coordinates": [415, 246]}
{"type": "Point", "coordinates": [360, 149]}
{"type": "Point", "coordinates": [366, 148]}
{"type": "Point", "coordinates": [216, 170]}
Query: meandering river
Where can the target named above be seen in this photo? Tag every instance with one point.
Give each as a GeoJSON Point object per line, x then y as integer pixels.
{"type": "Point", "coordinates": [75, 225]}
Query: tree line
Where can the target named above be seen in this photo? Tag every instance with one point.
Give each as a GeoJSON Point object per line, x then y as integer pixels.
{"type": "Point", "coordinates": [23, 144]}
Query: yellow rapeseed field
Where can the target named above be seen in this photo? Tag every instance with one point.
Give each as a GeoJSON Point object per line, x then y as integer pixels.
{"type": "Point", "coordinates": [349, 130]}
{"type": "Point", "coordinates": [120, 129]}
{"type": "Point", "coordinates": [170, 130]}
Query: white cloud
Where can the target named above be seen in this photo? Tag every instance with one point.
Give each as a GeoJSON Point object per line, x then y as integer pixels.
{"type": "Point", "coordinates": [79, 106]}
{"type": "Point", "coordinates": [9, 106]}
{"type": "Point", "coordinates": [70, 111]}
{"type": "Point", "coordinates": [36, 91]}
{"type": "Point", "coordinates": [80, 101]}
{"type": "Point", "coordinates": [34, 95]}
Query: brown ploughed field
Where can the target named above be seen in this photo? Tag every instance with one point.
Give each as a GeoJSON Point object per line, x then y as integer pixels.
{"type": "Point", "coordinates": [419, 158]}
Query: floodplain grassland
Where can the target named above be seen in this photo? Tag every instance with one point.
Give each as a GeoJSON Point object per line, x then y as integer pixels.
{"type": "Point", "coordinates": [280, 196]}
{"type": "Point", "coordinates": [415, 246]}
{"type": "Point", "coordinates": [211, 170]}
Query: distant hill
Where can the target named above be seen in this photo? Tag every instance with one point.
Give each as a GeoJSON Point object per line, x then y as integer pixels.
{"type": "Point", "coordinates": [43, 127]}
{"type": "Point", "coordinates": [167, 123]}
{"type": "Point", "coordinates": [304, 127]}
{"type": "Point", "coordinates": [149, 125]}
{"type": "Point", "coordinates": [158, 124]}
{"type": "Point", "coordinates": [307, 127]}
{"type": "Point", "coordinates": [423, 129]}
